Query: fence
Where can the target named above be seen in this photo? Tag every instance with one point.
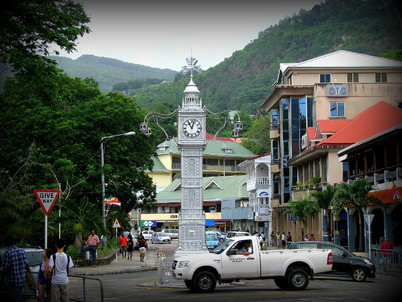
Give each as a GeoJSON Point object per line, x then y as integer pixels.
{"type": "Point", "coordinates": [164, 265]}
{"type": "Point", "coordinates": [387, 261]}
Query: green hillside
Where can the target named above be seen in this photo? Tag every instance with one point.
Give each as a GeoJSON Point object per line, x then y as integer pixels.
{"type": "Point", "coordinates": [243, 81]}
{"type": "Point", "coordinates": [107, 72]}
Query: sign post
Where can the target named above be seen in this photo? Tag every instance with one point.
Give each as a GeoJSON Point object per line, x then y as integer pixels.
{"type": "Point", "coordinates": [46, 199]}
{"type": "Point", "coordinates": [369, 219]}
{"type": "Point", "coordinates": [116, 225]}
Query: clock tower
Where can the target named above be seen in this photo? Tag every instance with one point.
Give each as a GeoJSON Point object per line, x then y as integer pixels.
{"type": "Point", "coordinates": [191, 141]}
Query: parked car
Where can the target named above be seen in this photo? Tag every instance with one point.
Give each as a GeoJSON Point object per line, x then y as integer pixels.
{"type": "Point", "coordinates": [172, 233]}
{"type": "Point", "coordinates": [231, 234]}
{"type": "Point", "coordinates": [212, 239]}
{"type": "Point", "coordinates": [34, 255]}
{"type": "Point", "coordinates": [160, 237]}
{"type": "Point", "coordinates": [148, 234]}
{"type": "Point", "coordinates": [344, 261]}
{"type": "Point", "coordinates": [220, 233]}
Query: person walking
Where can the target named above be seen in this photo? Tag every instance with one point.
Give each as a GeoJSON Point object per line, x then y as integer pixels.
{"type": "Point", "coordinates": [289, 237]}
{"type": "Point", "coordinates": [312, 238]}
{"type": "Point", "coordinates": [44, 285]}
{"type": "Point", "coordinates": [283, 239]}
{"type": "Point", "coordinates": [142, 247]}
{"type": "Point", "coordinates": [92, 246]}
{"type": "Point", "coordinates": [60, 265]}
{"type": "Point", "coordinates": [123, 246]}
{"type": "Point", "coordinates": [16, 267]}
{"type": "Point", "coordinates": [278, 240]}
{"type": "Point", "coordinates": [272, 236]}
{"type": "Point", "coordinates": [386, 252]}
{"type": "Point", "coordinates": [130, 247]}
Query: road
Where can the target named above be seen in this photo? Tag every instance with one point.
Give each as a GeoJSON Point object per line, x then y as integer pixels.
{"type": "Point", "coordinates": [137, 286]}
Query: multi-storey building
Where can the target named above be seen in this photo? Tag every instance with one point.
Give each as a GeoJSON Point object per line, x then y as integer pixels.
{"type": "Point", "coordinates": [319, 159]}
{"type": "Point", "coordinates": [225, 204]}
{"type": "Point", "coordinates": [335, 86]}
{"type": "Point", "coordinates": [221, 157]}
{"type": "Point", "coordinates": [259, 189]}
{"type": "Point", "coordinates": [378, 158]}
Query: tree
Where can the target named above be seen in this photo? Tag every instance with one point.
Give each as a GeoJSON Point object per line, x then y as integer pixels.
{"type": "Point", "coordinates": [301, 210]}
{"type": "Point", "coordinates": [257, 139]}
{"type": "Point", "coordinates": [63, 121]}
{"type": "Point", "coordinates": [355, 195]}
{"type": "Point", "coordinates": [29, 27]}
{"type": "Point", "coordinates": [324, 199]}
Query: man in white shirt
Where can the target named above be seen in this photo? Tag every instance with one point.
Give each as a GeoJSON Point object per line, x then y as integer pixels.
{"type": "Point", "coordinates": [60, 265]}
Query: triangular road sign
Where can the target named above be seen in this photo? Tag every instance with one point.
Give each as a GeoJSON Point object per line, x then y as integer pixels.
{"type": "Point", "coordinates": [47, 199]}
{"type": "Point", "coordinates": [116, 224]}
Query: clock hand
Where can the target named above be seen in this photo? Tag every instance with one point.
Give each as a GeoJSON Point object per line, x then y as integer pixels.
{"type": "Point", "coordinates": [191, 125]}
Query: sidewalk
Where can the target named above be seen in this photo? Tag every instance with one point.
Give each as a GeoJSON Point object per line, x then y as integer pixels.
{"type": "Point", "coordinates": [120, 266]}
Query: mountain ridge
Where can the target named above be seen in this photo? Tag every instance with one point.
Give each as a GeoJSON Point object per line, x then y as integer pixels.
{"type": "Point", "coordinates": [108, 71]}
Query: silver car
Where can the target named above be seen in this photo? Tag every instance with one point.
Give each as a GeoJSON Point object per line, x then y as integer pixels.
{"type": "Point", "coordinates": [172, 233]}
{"type": "Point", "coordinates": [160, 237]}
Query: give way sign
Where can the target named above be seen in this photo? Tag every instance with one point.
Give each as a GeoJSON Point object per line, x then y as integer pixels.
{"type": "Point", "coordinates": [47, 199]}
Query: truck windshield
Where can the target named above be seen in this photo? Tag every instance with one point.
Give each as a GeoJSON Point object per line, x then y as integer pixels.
{"type": "Point", "coordinates": [220, 248]}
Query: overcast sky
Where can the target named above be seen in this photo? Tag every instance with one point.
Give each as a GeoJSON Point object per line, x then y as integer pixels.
{"type": "Point", "coordinates": [163, 33]}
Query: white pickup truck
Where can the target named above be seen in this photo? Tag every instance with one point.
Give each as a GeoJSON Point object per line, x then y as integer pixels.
{"type": "Point", "coordinates": [290, 269]}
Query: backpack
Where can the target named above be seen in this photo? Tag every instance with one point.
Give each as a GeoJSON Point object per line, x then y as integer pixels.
{"type": "Point", "coordinates": [130, 246]}
{"type": "Point", "coordinates": [54, 264]}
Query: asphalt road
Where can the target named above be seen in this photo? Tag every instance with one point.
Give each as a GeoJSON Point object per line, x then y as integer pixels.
{"type": "Point", "coordinates": [133, 287]}
{"type": "Point", "coordinates": [140, 287]}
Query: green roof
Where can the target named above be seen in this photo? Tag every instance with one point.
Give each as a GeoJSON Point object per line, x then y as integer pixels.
{"type": "Point", "coordinates": [158, 166]}
{"type": "Point", "coordinates": [216, 148]}
{"type": "Point", "coordinates": [214, 188]}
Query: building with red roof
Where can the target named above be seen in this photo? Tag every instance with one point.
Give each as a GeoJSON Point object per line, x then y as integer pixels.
{"type": "Point", "coordinates": [311, 105]}
{"type": "Point", "coordinates": [320, 158]}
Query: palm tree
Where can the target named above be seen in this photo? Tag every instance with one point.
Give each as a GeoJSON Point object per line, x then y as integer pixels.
{"type": "Point", "coordinates": [357, 196]}
{"type": "Point", "coordinates": [80, 216]}
{"type": "Point", "coordinates": [324, 200]}
{"type": "Point", "coordinates": [301, 210]}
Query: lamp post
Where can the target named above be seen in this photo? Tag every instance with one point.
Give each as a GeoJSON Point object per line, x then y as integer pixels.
{"type": "Point", "coordinates": [103, 140]}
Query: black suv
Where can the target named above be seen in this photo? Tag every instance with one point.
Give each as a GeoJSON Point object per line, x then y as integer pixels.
{"type": "Point", "coordinates": [359, 268]}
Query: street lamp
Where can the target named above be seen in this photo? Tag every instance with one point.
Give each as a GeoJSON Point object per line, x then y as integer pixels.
{"type": "Point", "coordinates": [104, 140]}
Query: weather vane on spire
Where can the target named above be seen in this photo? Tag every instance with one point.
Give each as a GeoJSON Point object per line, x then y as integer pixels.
{"type": "Point", "coordinates": [191, 65]}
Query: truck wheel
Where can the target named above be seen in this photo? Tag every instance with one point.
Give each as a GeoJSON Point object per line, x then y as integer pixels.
{"type": "Point", "coordinates": [282, 283]}
{"type": "Point", "coordinates": [359, 274]}
{"type": "Point", "coordinates": [189, 284]}
{"type": "Point", "coordinates": [298, 279]}
{"type": "Point", "coordinates": [204, 282]}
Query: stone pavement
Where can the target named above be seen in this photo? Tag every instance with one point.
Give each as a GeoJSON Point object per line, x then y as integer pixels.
{"type": "Point", "coordinates": [121, 266]}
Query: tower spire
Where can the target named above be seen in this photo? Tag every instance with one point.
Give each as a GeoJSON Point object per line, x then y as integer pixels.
{"type": "Point", "coordinates": [191, 100]}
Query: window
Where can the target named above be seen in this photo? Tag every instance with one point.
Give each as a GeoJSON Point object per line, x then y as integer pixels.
{"type": "Point", "coordinates": [336, 109]}
{"type": "Point", "coordinates": [353, 78]}
{"type": "Point", "coordinates": [399, 104]}
{"type": "Point", "coordinates": [325, 78]}
{"type": "Point", "coordinates": [381, 77]}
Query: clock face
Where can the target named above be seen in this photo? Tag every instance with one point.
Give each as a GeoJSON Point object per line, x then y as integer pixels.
{"type": "Point", "coordinates": [192, 127]}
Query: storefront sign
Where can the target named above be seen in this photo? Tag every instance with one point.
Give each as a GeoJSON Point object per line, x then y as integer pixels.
{"type": "Point", "coordinates": [148, 223]}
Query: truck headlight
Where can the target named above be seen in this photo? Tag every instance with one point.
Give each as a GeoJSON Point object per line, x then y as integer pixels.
{"type": "Point", "coordinates": [183, 264]}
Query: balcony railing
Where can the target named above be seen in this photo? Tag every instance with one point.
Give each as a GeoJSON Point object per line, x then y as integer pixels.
{"type": "Point", "coordinates": [380, 176]}
{"type": "Point", "coordinates": [229, 168]}
{"type": "Point", "coordinates": [262, 180]}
